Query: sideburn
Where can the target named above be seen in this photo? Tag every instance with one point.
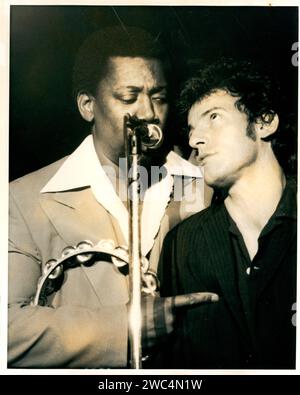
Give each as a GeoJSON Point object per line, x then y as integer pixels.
{"type": "Point", "coordinates": [250, 131]}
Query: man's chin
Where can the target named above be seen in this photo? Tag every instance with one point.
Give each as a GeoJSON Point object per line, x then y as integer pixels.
{"type": "Point", "coordinates": [219, 182]}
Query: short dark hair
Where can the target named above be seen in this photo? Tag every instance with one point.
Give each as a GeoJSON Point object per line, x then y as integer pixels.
{"type": "Point", "coordinates": [258, 96]}
{"type": "Point", "coordinates": [92, 57]}
{"type": "Point", "coordinates": [256, 93]}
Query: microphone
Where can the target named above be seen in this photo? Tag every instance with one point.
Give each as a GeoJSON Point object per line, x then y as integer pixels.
{"type": "Point", "coordinates": [150, 133]}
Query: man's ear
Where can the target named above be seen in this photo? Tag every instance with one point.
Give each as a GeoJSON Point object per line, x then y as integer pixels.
{"type": "Point", "coordinates": [85, 105]}
{"type": "Point", "coordinates": [267, 126]}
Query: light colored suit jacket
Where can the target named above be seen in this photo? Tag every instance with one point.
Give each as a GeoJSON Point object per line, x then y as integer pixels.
{"type": "Point", "coordinates": [85, 325]}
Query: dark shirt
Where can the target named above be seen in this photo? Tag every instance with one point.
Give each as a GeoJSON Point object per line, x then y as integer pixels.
{"type": "Point", "coordinates": [251, 326]}
{"type": "Point", "coordinates": [270, 243]}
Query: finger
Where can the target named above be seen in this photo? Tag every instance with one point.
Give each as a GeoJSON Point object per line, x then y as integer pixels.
{"type": "Point", "coordinates": [194, 298]}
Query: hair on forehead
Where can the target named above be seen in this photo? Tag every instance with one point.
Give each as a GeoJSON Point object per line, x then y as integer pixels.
{"type": "Point", "coordinates": [257, 95]}
{"type": "Point", "coordinates": [92, 58]}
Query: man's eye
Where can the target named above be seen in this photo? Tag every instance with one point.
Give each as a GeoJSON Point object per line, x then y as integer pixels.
{"type": "Point", "coordinates": [214, 115]}
{"type": "Point", "coordinates": [160, 99]}
{"type": "Point", "coordinates": [128, 100]}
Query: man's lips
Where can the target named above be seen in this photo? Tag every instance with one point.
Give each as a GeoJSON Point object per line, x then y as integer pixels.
{"type": "Point", "coordinates": [201, 158]}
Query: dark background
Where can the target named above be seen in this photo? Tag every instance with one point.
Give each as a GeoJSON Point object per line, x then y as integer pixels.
{"type": "Point", "coordinates": [44, 122]}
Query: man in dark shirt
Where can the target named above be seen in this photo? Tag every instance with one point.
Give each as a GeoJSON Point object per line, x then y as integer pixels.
{"type": "Point", "coordinates": [244, 246]}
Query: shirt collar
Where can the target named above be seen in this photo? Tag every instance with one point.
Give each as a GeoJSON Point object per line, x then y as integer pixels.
{"type": "Point", "coordinates": [287, 206]}
{"type": "Point", "coordinates": [82, 168]}
{"type": "Point", "coordinates": [177, 166]}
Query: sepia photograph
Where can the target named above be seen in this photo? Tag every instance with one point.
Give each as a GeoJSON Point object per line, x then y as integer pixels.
{"type": "Point", "coordinates": [152, 179]}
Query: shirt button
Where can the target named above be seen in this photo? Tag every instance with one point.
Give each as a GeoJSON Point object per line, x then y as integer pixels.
{"type": "Point", "coordinates": [250, 269]}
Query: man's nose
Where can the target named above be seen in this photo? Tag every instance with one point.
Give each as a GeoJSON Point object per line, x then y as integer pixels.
{"type": "Point", "coordinates": [146, 109]}
{"type": "Point", "coordinates": [197, 139]}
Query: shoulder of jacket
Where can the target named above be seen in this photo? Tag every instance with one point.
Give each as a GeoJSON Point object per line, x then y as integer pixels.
{"type": "Point", "coordinates": [33, 182]}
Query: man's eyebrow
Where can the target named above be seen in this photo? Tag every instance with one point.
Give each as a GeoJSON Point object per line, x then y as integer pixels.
{"type": "Point", "coordinates": [158, 89]}
{"type": "Point", "coordinates": [211, 109]}
{"type": "Point", "coordinates": [133, 88]}
{"type": "Point", "coordinates": [190, 127]}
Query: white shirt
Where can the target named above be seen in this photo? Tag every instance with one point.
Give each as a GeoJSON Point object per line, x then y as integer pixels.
{"type": "Point", "coordinates": [82, 169]}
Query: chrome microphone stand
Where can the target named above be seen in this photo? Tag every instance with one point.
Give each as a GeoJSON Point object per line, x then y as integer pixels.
{"type": "Point", "coordinates": [133, 151]}
{"type": "Point", "coordinates": [137, 134]}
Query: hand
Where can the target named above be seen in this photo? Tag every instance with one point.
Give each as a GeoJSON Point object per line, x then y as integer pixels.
{"type": "Point", "coordinates": [158, 314]}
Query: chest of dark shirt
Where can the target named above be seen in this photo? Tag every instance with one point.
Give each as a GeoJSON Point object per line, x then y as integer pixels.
{"type": "Point", "coordinates": [261, 323]}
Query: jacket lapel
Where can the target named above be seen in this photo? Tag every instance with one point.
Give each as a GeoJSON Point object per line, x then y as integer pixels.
{"type": "Point", "coordinates": [77, 216]}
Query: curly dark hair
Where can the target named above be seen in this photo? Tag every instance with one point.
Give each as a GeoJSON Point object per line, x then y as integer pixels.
{"type": "Point", "coordinates": [258, 96]}
{"type": "Point", "coordinates": [92, 58]}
